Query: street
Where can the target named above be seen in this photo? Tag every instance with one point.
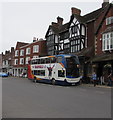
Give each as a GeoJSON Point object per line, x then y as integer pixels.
{"type": "Point", "coordinates": [22, 98]}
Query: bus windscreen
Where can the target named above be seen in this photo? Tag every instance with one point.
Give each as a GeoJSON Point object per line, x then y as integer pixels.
{"type": "Point", "coordinates": [72, 69]}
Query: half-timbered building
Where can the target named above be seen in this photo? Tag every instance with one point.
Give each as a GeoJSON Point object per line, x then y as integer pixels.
{"type": "Point", "coordinates": [66, 38]}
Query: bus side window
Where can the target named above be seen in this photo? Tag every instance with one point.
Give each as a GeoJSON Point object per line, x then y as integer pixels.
{"type": "Point", "coordinates": [32, 72]}
{"type": "Point", "coordinates": [42, 72]}
{"type": "Point", "coordinates": [38, 72]}
{"type": "Point", "coordinates": [59, 59]}
{"type": "Point", "coordinates": [53, 60]}
{"type": "Point", "coordinates": [35, 72]}
{"type": "Point", "coordinates": [34, 62]}
{"type": "Point", "coordinates": [42, 61]}
{"type": "Point", "coordinates": [38, 61]}
{"type": "Point", "coordinates": [47, 60]}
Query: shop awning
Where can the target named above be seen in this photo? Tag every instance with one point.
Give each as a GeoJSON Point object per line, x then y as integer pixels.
{"type": "Point", "coordinates": [103, 57]}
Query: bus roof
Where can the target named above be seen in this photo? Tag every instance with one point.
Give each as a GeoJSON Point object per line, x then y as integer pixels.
{"type": "Point", "coordinates": [62, 55]}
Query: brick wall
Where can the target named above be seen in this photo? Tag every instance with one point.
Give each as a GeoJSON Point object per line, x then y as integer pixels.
{"type": "Point", "coordinates": [103, 27]}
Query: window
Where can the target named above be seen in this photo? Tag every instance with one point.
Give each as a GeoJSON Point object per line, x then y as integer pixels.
{"type": "Point", "coordinates": [5, 62]}
{"type": "Point", "coordinates": [42, 61]}
{"type": "Point", "coordinates": [61, 73]}
{"type": "Point", "coordinates": [107, 41]}
{"type": "Point", "coordinates": [53, 60]}
{"type": "Point", "coordinates": [35, 48]}
{"type": "Point", "coordinates": [21, 52]}
{"type": "Point", "coordinates": [16, 53]}
{"type": "Point", "coordinates": [74, 29]}
{"type": "Point", "coordinates": [34, 61]}
{"type": "Point", "coordinates": [21, 61]}
{"type": "Point", "coordinates": [109, 20]}
{"type": "Point", "coordinates": [59, 59]}
{"type": "Point", "coordinates": [16, 62]}
{"type": "Point", "coordinates": [39, 72]}
{"type": "Point", "coordinates": [47, 60]}
{"type": "Point", "coordinates": [27, 59]}
{"type": "Point", "coordinates": [28, 51]}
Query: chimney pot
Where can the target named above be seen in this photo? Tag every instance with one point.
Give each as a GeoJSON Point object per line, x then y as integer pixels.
{"type": "Point", "coordinates": [105, 2]}
{"type": "Point", "coordinates": [34, 39]}
{"type": "Point", "coordinates": [59, 20]}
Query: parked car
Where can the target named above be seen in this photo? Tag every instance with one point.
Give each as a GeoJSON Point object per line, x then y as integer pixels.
{"type": "Point", "coordinates": [3, 74]}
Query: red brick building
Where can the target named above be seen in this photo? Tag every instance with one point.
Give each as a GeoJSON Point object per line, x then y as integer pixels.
{"type": "Point", "coordinates": [103, 59]}
{"type": "Point", "coordinates": [24, 52]}
{"type": "Point", "coordinates": [8, 60]}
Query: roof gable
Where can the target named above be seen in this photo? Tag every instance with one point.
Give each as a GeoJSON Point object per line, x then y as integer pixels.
{"type": "Point", "coordinates": [20, 44]}
{"type": "Point", "coordinates": [104, 13]}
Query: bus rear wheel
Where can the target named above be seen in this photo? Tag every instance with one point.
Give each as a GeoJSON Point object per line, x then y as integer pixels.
{"type": "Point", "coordinates": [53, 81]}
{"type": "Point", "coordinates": [34, 80]}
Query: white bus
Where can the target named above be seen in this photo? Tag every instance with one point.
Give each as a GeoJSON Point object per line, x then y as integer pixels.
{"type": "Point", "coordinates": [57, 69]}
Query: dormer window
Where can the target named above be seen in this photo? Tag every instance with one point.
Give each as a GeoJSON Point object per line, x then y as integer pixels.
{"type": "Point", "coordinates": [109, 20]}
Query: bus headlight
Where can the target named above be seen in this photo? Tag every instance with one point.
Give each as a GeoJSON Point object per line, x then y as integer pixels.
{"type": "Point", "coordinates": [78, 66]}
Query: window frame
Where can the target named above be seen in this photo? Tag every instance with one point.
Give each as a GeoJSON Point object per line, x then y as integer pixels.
{"type": "Point", "coordinates": [36, 49]}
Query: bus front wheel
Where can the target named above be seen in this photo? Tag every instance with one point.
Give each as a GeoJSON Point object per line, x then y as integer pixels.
{"type": "Point", "coordinates": [35, 80]}
{"type": "Point", "coordinates": [53, 81]}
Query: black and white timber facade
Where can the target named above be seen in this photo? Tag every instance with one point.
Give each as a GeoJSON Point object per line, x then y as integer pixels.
{"type": "Point", "coordinates": [68, 38]}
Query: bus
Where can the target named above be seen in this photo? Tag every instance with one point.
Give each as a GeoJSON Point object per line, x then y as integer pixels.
{"type": "Point", "coordinates": [57, 69]}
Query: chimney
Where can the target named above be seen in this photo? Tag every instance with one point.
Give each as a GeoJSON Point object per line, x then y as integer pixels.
{"type": "Point", "coordinates": [7, 52]}
{"type": "Point", "coordinates": [59, 20]}
{"type": "Point", "coordinates": [12, 49]}
{"type": "Point", "coordinates": [75, 11]}
{"type": "Point", "coordinates": [34, 39]}
{"type": "Point", "coordinates": [105, 3]}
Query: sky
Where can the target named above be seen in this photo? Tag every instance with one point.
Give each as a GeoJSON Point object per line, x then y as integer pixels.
{"type": "Point", "coordinates": [21, 20]}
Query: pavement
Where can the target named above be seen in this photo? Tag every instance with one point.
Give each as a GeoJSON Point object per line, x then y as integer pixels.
{"type": "Point", "coordinates": [100, 86]}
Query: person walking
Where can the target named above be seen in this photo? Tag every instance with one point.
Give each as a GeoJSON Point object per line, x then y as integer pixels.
{"type": "Point", "coordinates": [102, 79]}
{"type": "Point", "coordinates": [94, 77]}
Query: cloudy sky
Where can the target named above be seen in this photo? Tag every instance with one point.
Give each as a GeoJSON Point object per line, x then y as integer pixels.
{"type": "Point", "coordinates": [23, 20]}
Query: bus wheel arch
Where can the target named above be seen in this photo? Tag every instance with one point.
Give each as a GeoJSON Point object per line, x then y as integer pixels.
{"type": "Point", "coordinates": [53, 81]}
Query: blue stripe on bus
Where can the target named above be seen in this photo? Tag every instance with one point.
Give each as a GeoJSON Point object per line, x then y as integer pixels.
{"type": "Point", "coordinates": [71, 77]}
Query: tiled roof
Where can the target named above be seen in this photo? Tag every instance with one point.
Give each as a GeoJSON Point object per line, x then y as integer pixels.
{"type": "Point", "coordinates": [103, 57]}
{"type": "Point", "coordinates": [92, 16]}
{"type": "Point", "coordinates": [20, 44]}
{"type": "Point", "coordinates": [109, 29]}
{"type": "Point", "coordinates": [105, 10]}
{"type": "Point", "coordinates": [82, 19]}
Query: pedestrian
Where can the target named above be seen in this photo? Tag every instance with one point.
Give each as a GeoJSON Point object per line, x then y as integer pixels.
{"type": "Point", "coordinates": [110, 79]}
{"type": "Point", "coordinates": [102, 79]}
{"type": "Point", "coordinates": [94, 78]}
